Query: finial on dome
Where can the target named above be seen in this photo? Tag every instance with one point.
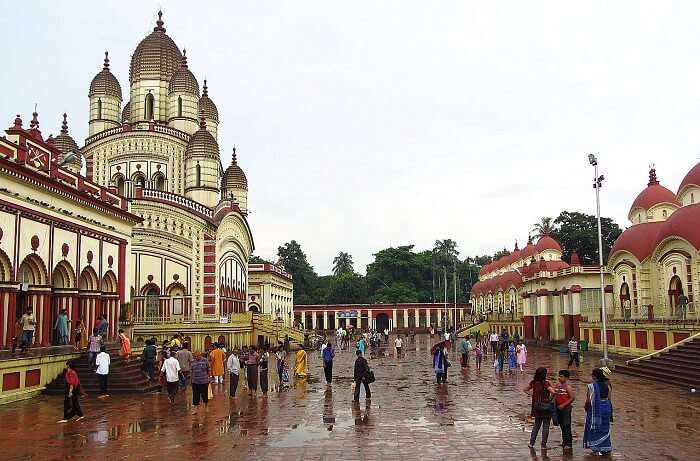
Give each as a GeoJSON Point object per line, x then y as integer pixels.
{"type": "Point", "coordinates": [159, 23]}
{"type": "Point", "coordinates": [516, 245]}
{"type": "Point", "coordinates": [202, 120]}
{"type": "Point", "coordinates": [64, 125]}
{"type": "Point", "coordinates": [18, 121]}
{"type": "Point", "coordinates": [233, 158]}
{"type": "Point", "coordinates": [652, 176]}
{"type": "Point", "coordinates": [529, 239]}
{"type": "Point", "coordinates": [205, 88]}
{"type": "Point", "coordinates": [50, 140]}
{"type": "Point", "coordinates": [106, 64]}
{"type": "Point", "coordinates": [184, 58]}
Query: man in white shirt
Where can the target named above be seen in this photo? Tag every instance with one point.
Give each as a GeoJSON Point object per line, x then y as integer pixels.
{"type": "Point", "coordinates": [102, 362]}
{"type": "Point", "coordinates": [171, 368]}
{"type": "Point", "coordinates": [493, 339]}
{"type": "Point", "coordinates": [233, 365]}
{"type": "Point", "coordinates": [398, 344]}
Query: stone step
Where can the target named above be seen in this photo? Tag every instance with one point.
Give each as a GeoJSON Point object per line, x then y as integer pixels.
{"type": "Point", "coordinates": [665, 377]}
{"type": "Point", "coordinates": [679, 360]}
{"type": "Point", "coordinates": [660, 367]}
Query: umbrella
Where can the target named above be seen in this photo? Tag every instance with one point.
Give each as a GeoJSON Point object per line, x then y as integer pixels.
{"type": "Point", "coordinates": [436, 347]}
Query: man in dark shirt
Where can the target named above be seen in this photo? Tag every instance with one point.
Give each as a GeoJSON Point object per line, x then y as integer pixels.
{"type": "Point", "coordinates": [360, 376]}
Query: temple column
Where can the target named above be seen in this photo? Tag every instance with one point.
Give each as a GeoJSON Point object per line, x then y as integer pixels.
{"type": "Point", "coordinates": [393, 318]}
{"type": "Point", "coordinates": [405, 318]}
{"type": "Point", "coordinates": [325, 320]}
{"type": "Point", "coordinates": [313, 320]}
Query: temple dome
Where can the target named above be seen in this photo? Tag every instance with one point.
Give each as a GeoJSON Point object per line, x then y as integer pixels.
{"type": "Point", "coordinates": [639, 239]}
{"type": "Point", "coordinates": [546, 242]}
{"type": "Point", "coordinates": [202, 143]}
{"type": "Point", "coordinates": [691, 179]}
{"type": "Point", "coordinates": [157, 57]}
{"type": "Point", "coordinates": [654, 194]}
{"type": "Point", "coordinates": [66, 144]}
{"type": "Point", "coordinates": [234, 177]}
{"type": "Point", "coordinates": [105, 83]}
{"type": "Point", "coordinates": [207, 105]}
{"type": "Point", "coordinates": [683, 223]}
{"type": "Point", "coordinates": [183, 80]}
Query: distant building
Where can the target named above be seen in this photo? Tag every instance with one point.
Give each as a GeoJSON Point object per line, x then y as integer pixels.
{"type": "Point", "coordinates": [271, 291]}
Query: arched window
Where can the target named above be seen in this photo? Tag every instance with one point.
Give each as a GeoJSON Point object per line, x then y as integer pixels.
{"type": "Point", "coordinates": [198, 172]}
{"type": "Point", "coordinates": [160, 182]}
{"type": "Point", "coordinates": [179, 106]}
{"type": "Point", "coordinates": [99, 108]}
{"type": "Point", "coordinates": [149, 106]}
{"type": "Point", "coordinates": [139, 179]}
{"type": "Point", "coordinates": [119, 183]}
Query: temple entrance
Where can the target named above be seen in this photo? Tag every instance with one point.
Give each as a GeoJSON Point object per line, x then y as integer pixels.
{"type": "Point", "coordinates": [382, 322]}
{"type": "Point", "coordinates": [625, 304]}
{"type": "Point", "coordinates": [151, 304]}
{"type": "Point", "coordinates": [675, 289]}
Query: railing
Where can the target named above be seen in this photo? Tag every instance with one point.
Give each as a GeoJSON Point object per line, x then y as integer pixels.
{"type": "Point", "coordinates": [139, 126]}
{"type": "Point", "coordinates": [178, 200]}
{"type": "Point", "coordinates": [182, 319]}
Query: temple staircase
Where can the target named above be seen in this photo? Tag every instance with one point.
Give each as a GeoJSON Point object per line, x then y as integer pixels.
{"type": "Point", "coordinates": [124, 378]}
{"type": "Point", "coordinates": [678, 364]}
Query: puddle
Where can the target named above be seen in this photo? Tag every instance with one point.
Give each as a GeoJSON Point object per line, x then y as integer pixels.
{"type": "Point", "coordinates": [300, 435]}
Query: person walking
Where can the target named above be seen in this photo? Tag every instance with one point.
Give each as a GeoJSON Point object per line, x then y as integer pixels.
{"type": "Point", "coordinates": [478, 355]}
{"type": "Point", "coordinates": [564, 396]}
{"type": "Point", "coordinates": [102, 326]}
{"type": "Point", "coordinates": [73, 391]}
{"type": "Point", "coordinates": [362, 345]}
{"type": "Point", "coordinates": [124, 346]}
{"type": "Point", "coordinates": [62, 328]}
{"type": "Point", "coordinates": [540, 389]}
{"type": "Point", "coordinates": [94, 345]}
{"type": "Point", "coordinates": [398, 344]}
{"type": "Point", "coordinates": [264, 364]}
{"type": "Point", "coordinates": [216, 362]}
{"type": "Point", "coordinates": [500, 355]}
{"type": "Point", "coordinates": [149, 355]}
{"type": "Point", "coordinates": [521, 355]}
{"type": "Point", "coordinates": [573, 353]}
{"type": "Point", "coordinates": [361, 376]}
{"type": "Point", "coordinates": [28, 326]}
{"type": "Point", "coordinates": [243, 358]}
{"type": "Point", "coordinates": [596, 435]}
{"type": "Point", "coordinates": [171, 370]}
{"type": "Point", "coordinates": [186, 359]}
{"type": "Point", "coordinates": [102, 362]}
{"type": "Point", "coordinates": [512, 359]}
{"type": "Point", "coordinates": [464, 346]}
{"type": "Point", "coordinates": [200, 373]}
{"type": "Point", "coordinates": [80, 335]}
{"type": "Point", "coordinates": [252, 367]}
{"type": "Point", "coordinates": [280, 358]}
{"type": "Point", "coordinates": [233, 365]}
{"type": "Point", "coordinates": [328, 355]}
{"type": "Point", "coordinates": [493, 338]}
{"type": "Point", "coordinates": [440, 363]}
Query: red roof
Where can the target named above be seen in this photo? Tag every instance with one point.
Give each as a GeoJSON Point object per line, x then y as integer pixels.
{"type": "Point", "coordinates": [547, 243]}
{"type": "Point", "coordinates": [654, 194]}
{"type": "Point", "coordinates": [639, 239]}
{"type": "Point", "coordinates": [684, 223]}
{"type": "Point", "coordinates": [528, 251]}
{"type": "Point", "coordinates": [691, 179]}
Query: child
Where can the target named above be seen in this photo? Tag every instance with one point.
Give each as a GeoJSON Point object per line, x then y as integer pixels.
{"type": "Point", "coordinates": [478, 354]}
{"type": "Point", "coordinates": [94, 344]}
{"type": "Point", "coordinates": [563, 398]}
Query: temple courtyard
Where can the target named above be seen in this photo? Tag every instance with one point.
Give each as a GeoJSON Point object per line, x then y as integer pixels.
{"type": "Point", "coordinates": [479, 415]}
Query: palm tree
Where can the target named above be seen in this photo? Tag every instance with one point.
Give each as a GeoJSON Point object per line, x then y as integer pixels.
{"type": "Point", "coordinates": [542, 228]}
{"type": "Point", "coordinates": [342, 264]}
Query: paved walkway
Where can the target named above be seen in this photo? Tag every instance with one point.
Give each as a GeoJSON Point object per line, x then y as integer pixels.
{"type": "Point", "coordinates": [479, 416]}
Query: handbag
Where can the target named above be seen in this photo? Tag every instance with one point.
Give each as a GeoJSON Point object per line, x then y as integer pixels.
{"type": "Point", "coordinates": [369, 379]}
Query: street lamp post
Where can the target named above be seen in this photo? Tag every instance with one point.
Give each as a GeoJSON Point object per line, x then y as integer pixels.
{"type": "Point", "coordinates": [597, 184]}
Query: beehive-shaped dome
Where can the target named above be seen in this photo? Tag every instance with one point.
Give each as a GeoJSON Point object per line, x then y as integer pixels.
{"type": "Point", "coordinates": [105, 83]}
{"type": "Point", "coordinates": [234, 177]}
{"type": "Point", "coordinates": [71, 156]}
{"type": "Point", "coordinates": [202, 143]}
{"type": "Point", "coordinates": [207, 105]}
{"type": "Point", "coordinates": [157, 57]}
{"type": "Point", "coordinates": [183, 80]}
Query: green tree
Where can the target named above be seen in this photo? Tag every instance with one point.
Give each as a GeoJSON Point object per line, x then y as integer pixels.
{"type": "Point", "coordinates": [347, 288]}
{"type": "Point", "coordinates": [391, 265]}
{"type": "Point", "coordinates": [342, 264]}
{"type": "Point", "coordinates": [542, 228]}
{"type": "Point", "coordinates": [500, 254]}
{"type": "Point", "coordinates": [398, 292]}
{"type": "Point", "coordinates": [579, 232]}
{"type": "Point", "coordinates": [294, 261]}
{"type": "Point", "coordinates": [255, 259]}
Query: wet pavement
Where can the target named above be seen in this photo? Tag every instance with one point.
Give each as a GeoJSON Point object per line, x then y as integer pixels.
{"type": "Point", "coordinates": [479, 415]}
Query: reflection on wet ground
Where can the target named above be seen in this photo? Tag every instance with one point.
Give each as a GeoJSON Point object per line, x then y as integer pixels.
{"type": "Point", "coordinates": [478, 415]}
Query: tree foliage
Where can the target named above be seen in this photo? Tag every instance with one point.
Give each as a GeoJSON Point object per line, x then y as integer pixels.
{"type": "Point", "coordinates": [294, 261]}
{"type": "Point", "coordinates": [579, 232]}
{"type": "Point", "coordinates": [342, 264]}
{"type": "Point", "coordinates": [542, 228]}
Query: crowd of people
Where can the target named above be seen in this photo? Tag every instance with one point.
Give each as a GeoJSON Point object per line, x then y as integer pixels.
{"type": "Point", "coordinates": [179, 367]}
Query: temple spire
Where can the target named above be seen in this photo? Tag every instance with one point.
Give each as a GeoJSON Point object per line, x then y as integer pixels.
{"type": "Point", "coordinates": [159, 23]}
{"type": "Point", "coordinates": [205, 88]}
{"type": "Point", "coordinates": [105, 66]}
{"type": "Point", "coordinates": [64, 125]}
{"type": "Point", "coordinates": [233, 157]}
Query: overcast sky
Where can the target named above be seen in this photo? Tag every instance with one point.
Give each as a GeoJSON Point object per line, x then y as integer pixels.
{"type": "Point", "coordinates": [368, 124]}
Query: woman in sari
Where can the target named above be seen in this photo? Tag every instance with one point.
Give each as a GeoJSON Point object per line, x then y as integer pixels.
{"type": "Point", "coordinates": [512, 362]}
{"type": "Point", "coordinates": [598, 414]}
{"type": "Point", "coordinates": [300, 364]}
{"type": "Point", "coordinates": [124, 346]}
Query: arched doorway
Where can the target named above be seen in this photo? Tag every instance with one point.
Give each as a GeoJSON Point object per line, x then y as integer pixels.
{"type": "Point", "coordinates": [382, 322]}
{"type": "Point", "coordinates": [675, 289]}
{"type": "Point", "coordinates": [625, 301]}
{"type": "Point", "coordinates": [151, 302]}
{"type": "Point", "coordinates": [64, 298]}
{"type": "Point", "coordinates": [221, 339]}
{"type": "Point", "coordinates": [33, 278]}
{"type": "Point", "coordinates": [253, 308]}
{"type": "Point", "coordinates": [207, 343]}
